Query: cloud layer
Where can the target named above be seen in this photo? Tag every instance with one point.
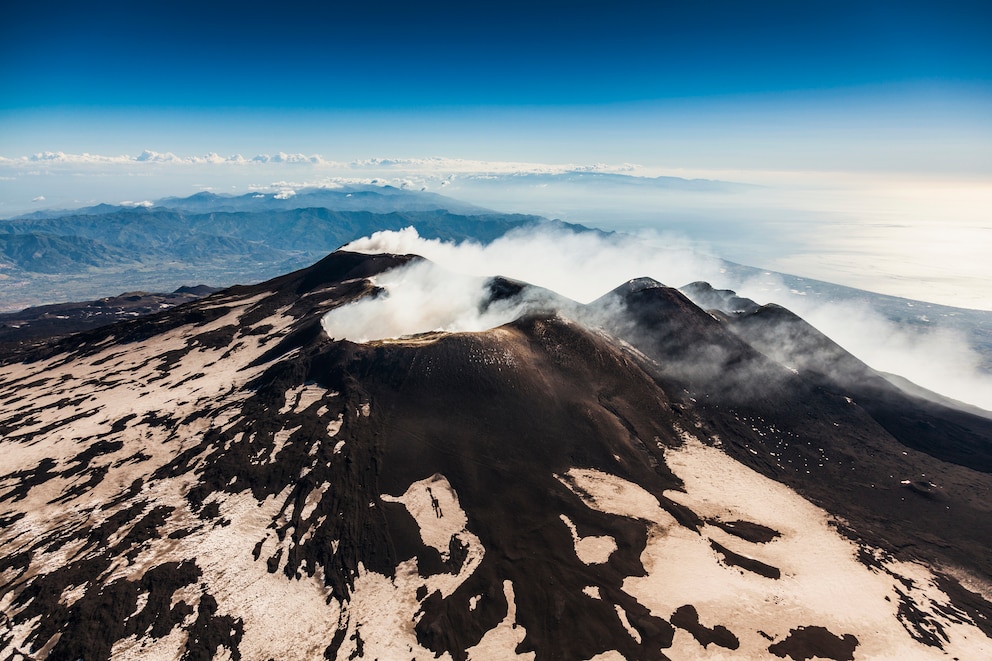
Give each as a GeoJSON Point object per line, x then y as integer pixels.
{"type": "Point", "coordinates": [432, 165]}
{"type": "Point", "coordinates": [149, 156]}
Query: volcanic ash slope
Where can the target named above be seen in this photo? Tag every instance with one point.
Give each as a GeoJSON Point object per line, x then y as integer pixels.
{"type": "Point", "coordinates": [224, 480]}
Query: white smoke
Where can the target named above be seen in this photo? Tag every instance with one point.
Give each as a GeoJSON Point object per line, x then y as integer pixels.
{"type": "Point", "coordinates": [579, 265]}
{"type": "Point", "coordinates": [584, 266]}
{"type": "Point", "coordinates": [938, 359]}
{"type": "Point", "coordinates": [421, 297]}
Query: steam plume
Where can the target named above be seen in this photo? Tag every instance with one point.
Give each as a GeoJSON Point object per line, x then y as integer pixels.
{"type": "Point", "coordinates": [584, 266]}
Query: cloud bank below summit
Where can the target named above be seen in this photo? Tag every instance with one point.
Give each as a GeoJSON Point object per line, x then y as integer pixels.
{"type": "Point", "coordinates": [584, 266]}
{"type": "Point", "coordinates": [430, 164]}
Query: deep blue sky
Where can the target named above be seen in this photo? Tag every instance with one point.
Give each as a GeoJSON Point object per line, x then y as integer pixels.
{"type": "Point", "coordinates": [251, 54]}
{"type": "Point", "coordinates": [810, 84]}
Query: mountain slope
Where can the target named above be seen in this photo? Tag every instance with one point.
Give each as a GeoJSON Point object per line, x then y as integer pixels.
{"type": "Point", "coordinates": [49, 253]}
{"type": "Point", "coordinates": [832, 429]}
{"type": "Point", "coordinates": [224, 480]}
{"type": "Point", "coordinates": [31, 325]}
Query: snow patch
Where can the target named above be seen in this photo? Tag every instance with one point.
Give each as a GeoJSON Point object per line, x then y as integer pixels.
{"type": "Point", "coordinates": [279, 440]}
{"type": "Point", "coordinates": [381, 615]}
{"type": "Point", "coordinates": [501, 641]}
{"type": "Point", "coordinates": [434, 505]}
{"type": "Point", "coordinates": [822, 582]}
{"type": "Point", "coordinates": [592, 550]}
{"type": "Point", "coordinates": [609, 655]}
{"type": "Point", "coordinates": [622, 614]}
{"type": "Point", "coordinates": [300, 398]}
{"type": "Point", "coordinates": [334, 426]}
{"type": "Point", "coordinates": [167, 648]}
{"type": "Point", "coordinates": [313, 499]}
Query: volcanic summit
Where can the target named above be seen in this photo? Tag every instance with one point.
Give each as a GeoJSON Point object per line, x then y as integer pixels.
{"type": "Point", "coordinates": [634, 478]}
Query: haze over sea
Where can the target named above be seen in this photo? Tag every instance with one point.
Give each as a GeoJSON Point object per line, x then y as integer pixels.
{"type": "Point", "coordinates": [906, 236]}
{"type": "Point", "coordinates": [852, 141]}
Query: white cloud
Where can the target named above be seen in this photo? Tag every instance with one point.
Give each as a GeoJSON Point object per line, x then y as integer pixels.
{"type": "Point", "coordinates": [40, 198]}
{"type": "Point", "coordinates": [283, 157]}
{"type": "Point", "coordinates": [58, 157]}
{"type": "Point", "coordinates": [432, 166]}
{"type": "Point", "coordinates": [151, 156]}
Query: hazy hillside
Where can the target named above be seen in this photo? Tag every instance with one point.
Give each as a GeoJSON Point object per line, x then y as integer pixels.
{"type": "Point", "coordinates": [52, 257]}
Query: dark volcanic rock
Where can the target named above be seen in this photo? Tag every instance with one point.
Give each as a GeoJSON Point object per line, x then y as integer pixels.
{"type": "Point", "coordinates": [223, 479]}
{"type": "Point", "coordinates": [815, 642]}
{"type": "Point", "coordinates": [705, 296]}
{"type": "Point", "coordinates": [30, 325]}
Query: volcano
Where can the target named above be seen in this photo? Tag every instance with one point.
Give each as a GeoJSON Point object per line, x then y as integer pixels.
{"type": "Point", "coordinates": [634, 478]}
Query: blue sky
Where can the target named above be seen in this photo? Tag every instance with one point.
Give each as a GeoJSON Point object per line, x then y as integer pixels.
{"type": "Point", "coordinates": [247, 54]}
{"type": "Point", "coordinates": [621, 78]}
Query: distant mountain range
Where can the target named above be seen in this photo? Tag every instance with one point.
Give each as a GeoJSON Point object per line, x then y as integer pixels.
{"type": "Point", "coordinates": [373, 198]}
{"type": "Point", "coordinates": [48, 257]}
